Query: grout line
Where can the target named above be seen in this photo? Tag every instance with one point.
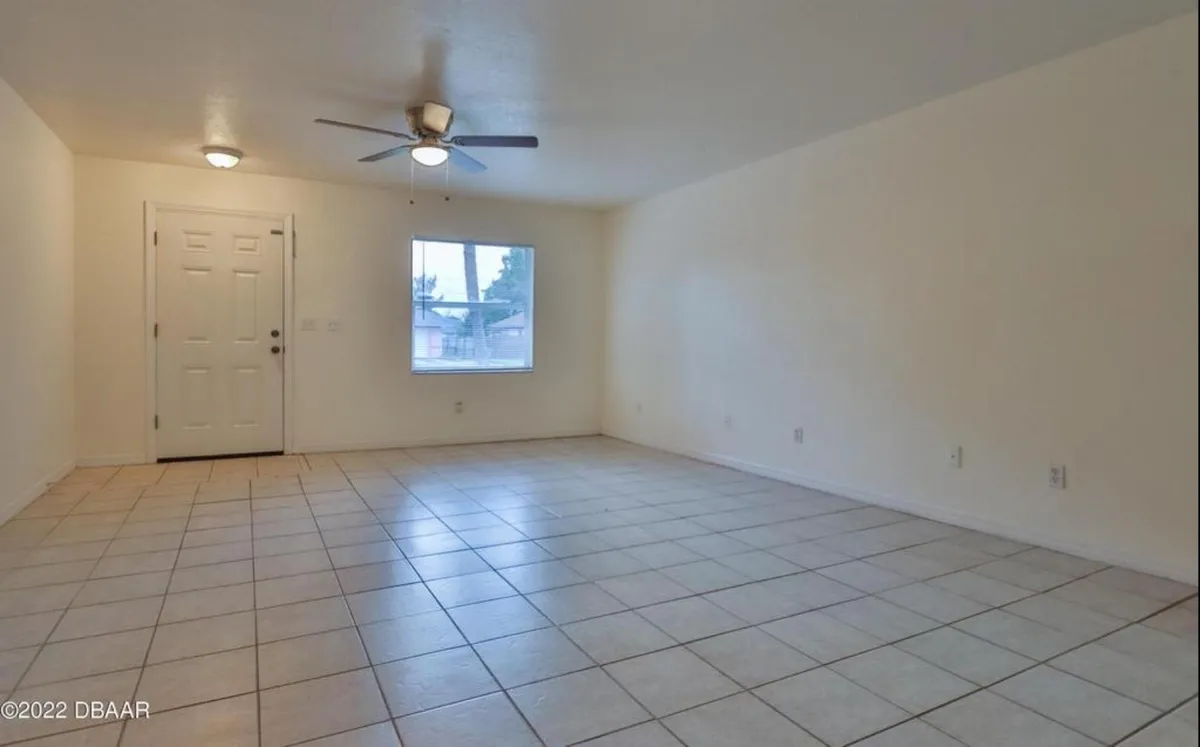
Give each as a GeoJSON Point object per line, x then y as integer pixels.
{"type": "Point", "coordinates": [678, 645]}
{"type": "Point", "coordinates": [743, 497]}
{"type": "Point", "coordinates": [1032, 594]}
{"type": "Point", "coordinates": [866, 595]}
{"type": "Point", "coordinates": [157, 619]}
{"type": "Point", "coordinates": [357, 631]}
{"type": "Point", "coordinates": [254, 608]}
{"type": "Point", "coordinates": [453, 622]}
{"type": "Point", "coordinates": [1171, 712]}
{"type": "Point", "coordinates": [1037, 663]}
{"type": "Point", "coordinates": [47, 640]}
{"type": "Point", "coordinates": [50, 633]}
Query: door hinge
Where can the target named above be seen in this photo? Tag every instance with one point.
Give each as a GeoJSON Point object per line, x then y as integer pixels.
{"type": "Point", "coordinates": [156, 238]}
{"type": "Point", "coordinates": [156, 330]}
{"type": "Point", "coordinates": [155, 422]}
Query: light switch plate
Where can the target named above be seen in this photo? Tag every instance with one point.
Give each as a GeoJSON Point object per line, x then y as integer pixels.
{"type": "Point", "coordinates": [1058, 476]}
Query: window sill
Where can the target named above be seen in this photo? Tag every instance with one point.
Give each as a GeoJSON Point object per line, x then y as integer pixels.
{"type": "Point", "coordinates": [468, 371]}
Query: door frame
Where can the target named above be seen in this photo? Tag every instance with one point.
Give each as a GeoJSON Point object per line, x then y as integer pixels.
{"type": "Point", "coordinates": [150, 281]}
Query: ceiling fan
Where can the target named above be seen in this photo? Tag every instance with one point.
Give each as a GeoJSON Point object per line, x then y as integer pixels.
{"type": "Point", "coordinates": [430, 143]}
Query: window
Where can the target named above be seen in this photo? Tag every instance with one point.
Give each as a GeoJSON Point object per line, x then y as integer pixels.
{"type": "Point", "coordinates": [472, 306]}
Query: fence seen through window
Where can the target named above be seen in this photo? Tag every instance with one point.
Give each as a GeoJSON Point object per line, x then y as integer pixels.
{"type": "Point", "coordinates": [472, 306]}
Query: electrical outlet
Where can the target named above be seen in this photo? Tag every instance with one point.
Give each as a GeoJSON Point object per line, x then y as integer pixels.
{"type": "Point", "coordinates": [458, 408]}
{"type": "Point", "coordinates": [728, 422]}
{"type": "Point", "coordinates": [954, 458]}
{"type": "Point", "coordinates": [798, 435]}
{"type": "Point", "coordinates": [308, 325]}
{"type": "Point", "coordinates": [1058, 476]}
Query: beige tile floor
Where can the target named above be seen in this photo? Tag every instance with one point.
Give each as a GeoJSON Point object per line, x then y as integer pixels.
{"type": "Point", "coordinates": [579, 591]}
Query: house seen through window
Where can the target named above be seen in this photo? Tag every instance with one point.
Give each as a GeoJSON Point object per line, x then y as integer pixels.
{"type": "Point", "coordinates": [472, 306]}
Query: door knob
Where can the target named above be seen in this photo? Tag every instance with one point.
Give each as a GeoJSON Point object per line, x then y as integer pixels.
{"type": "Point", "coordinates": [275, 349]}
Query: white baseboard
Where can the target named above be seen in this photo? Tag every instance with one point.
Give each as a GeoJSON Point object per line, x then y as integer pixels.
{"type": "Point", "coordinates": [1154, 566]}
{"type": "Point", "coordinates": [11, 508]}
{"type": "Point", "coordinates": [441, 441]}
{"type": "Point", "coordinates": [111, 460]}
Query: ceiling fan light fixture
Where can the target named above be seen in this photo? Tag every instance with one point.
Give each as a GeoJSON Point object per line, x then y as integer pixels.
{"type": "Point", "coordinates": [430, 155]}
{"type": "Point", "coordinates": [220, 157]}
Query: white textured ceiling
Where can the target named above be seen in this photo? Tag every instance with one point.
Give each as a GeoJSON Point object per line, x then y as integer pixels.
{"type": "Point", "coordinates": [629, 97]}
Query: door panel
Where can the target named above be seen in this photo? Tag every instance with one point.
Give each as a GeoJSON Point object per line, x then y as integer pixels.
{"type": "Point", "coordinates": [219, 296]}
{"type": "Point", "coordinates": [245, 307]}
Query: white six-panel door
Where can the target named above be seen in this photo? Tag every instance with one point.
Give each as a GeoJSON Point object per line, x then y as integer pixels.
{"type": "Point", "coordinates": [219, 299]}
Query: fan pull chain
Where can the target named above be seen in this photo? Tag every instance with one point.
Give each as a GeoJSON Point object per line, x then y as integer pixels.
{"type": "Point", "coordinates": [412, 175]}
{"type": "Point", "coordinates": [447, 195]}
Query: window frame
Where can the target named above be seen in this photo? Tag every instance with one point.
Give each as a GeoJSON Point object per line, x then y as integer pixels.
{"type": "Point", "coordinates": [529, 312]}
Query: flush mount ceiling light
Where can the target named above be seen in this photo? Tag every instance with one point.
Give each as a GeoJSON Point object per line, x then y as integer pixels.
{"type": "Point", "coordinates": [220, 157]}
{"type": "Point", "coordinates": [430, 155]}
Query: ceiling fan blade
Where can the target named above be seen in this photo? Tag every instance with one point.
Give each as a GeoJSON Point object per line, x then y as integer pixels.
{"type": "Point", "coordinates": [384, 154]}
{"type": "Point", "coordinates": [364, 128]}
{"type": "Point", "coordinates": [465, 162]}
{"type": "Point", "coordinates": [495, 141]}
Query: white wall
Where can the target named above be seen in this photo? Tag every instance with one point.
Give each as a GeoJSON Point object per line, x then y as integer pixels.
{"type": "Point", "coordinates": [36, 299]}
{"type": "Point", "coordinates": [353, 388]}
{"type": "Point", "coordinates": [1012, 268]}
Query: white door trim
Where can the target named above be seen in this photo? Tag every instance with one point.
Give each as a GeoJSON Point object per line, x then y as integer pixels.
{"type": "Point", "coordinates": [150, 280]}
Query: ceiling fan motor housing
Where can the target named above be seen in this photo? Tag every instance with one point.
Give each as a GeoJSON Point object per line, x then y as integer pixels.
{"type": "Point", "coordinates": [430, 118]}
